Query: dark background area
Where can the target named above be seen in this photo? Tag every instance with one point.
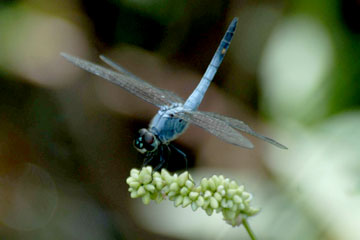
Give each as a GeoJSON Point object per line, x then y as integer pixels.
{"type": "Point", "coordinates": [292, 73]}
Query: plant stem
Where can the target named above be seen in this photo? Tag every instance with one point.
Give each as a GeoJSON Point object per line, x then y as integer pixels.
{"type": "Point", "coordinates": [248, 229]}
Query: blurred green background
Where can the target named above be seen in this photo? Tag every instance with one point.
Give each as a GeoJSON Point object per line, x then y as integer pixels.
{"type": "Point", "coordinates": [292, 73]}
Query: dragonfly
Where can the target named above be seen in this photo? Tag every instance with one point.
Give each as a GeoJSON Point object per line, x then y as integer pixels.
{"type": "Point", "coordinates": [175, 114]}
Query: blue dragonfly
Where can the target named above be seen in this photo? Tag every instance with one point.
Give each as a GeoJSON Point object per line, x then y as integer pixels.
{"type": "Point", "coordinates": [174, 113]}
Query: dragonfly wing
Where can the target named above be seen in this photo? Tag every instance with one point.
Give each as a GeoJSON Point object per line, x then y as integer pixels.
{"type": "Point", "coordinates": [215, 126]}
{"type": "Point", "coordinates": [116, 66]}
{"type": "Point", "coordinates": [240, 125]}
{"type": "Point", "coordinates": [135, 86]}
{"type": "Point", "coordinates": [172, 97]}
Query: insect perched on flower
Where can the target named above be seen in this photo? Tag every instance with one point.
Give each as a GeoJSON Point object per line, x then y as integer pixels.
{"type": "Point", "coordinates": [175, 114]}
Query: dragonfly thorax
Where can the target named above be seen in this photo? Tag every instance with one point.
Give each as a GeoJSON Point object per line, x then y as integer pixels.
{"type": "Point", "coordinates": [146, 141]}
{"type": "Point", "coordinates": [168, 110]}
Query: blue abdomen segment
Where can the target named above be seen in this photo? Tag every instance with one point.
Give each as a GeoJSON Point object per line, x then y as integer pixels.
{"type": "Point", "coordinates": [197, 95]}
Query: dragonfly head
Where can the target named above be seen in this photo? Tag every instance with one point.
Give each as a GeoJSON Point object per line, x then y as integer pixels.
{"type": "Point", "coordinates": [146, 141]}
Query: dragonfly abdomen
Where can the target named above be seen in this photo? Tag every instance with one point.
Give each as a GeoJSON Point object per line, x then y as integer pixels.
{"type": "Point", "coordinates": [197, 95]}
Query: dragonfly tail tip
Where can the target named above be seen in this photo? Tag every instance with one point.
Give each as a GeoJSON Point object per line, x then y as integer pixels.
{"type": "Point", "coordinates": [66, 55]}
{"type": "Point", "coordinates": [235, 20]}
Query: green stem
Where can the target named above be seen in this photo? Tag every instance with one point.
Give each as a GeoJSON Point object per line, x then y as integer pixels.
{"type": "Point", "coordinates": [248, 229]}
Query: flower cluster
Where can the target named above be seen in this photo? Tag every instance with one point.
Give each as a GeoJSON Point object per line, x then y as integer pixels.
{"type": "Point", "coordinates": [217, 193]}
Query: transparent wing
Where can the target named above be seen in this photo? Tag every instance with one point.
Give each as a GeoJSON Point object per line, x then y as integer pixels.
{"type": "Point", "coordinates": [135, 86]}
{"type": "Point", "coordinates": [240, 125]}
{"type": "Point", "coordinates": [116, 66]}
{"type": "Point", "coordinates": [174, 98]}
{"type": "Point", "coordinates": [215, 126]}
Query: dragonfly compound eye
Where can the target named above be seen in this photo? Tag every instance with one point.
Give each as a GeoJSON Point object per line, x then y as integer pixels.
{"type": "Point", "coordinates": [142, 131]}
{"type": "Point", "coordinates": [148, 138]}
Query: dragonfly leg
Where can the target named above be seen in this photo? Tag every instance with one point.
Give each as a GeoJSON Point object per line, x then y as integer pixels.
{"type": "Point", "coordinates": [182, 154]}
{"type": "Point", "coordinates": [148, 159]}
{"type": "Point", "coordinates": [162, 158]}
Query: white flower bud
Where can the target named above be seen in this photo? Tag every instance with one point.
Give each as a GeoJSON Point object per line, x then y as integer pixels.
{"type": "Point", "coordinates": [146, 199]}
{"type": "Point", "coordinates": [233, 185]}
{"type": "Point", "coordinates": [214, 203]}
{"type": "Point", "coordinates": [211, 185]}
{"type": "Point", "coordinates": [237, 199]}
{"type": "Point", "coordinates": [134, 195]}
{"type": "Point", "coordinates": [193, 195]}
{"type": "Point", "coordinates": [217, 196]}
{"type": "Point", "coordinates": [171, 194]}
{"type": "Point", "coordinates": [134, 185]}
{"type": "Point", "coordinates": [144, 176]}
{"type": "Point", "coordinates": [200, 201]}
{"type": "Point", "coordinates": [174, 187]}
{"type": "Point", "coordinates": [246, 195]}
{"type": "Point", "coordinates": [231, 193]}
{"type": "Point", "coordinates": [150, 188]}
{"type": "Point", "coordinates": [178, 201]}
{"type": "Point", "coordinates": [134, 173]}
{"type": "Point", "coordinates": [207, 194]}
{"type": "Point", "coordinates": [189, 184]}
{"type": "Point", "coordinates": [209, 211]}
{"type": "Point", "coordinates": [141, 191]}
{"type": "Point", "coordinates": [204, 183]}
{"type": "Point", "coordinates": [194, 206]}
{"type": "Point", "coordinates": [184, 191]}
{"type": "Point", "coordinates": [224, 203]}
{"type": "Point", "coordinates": [186, 202]}
{"type": "Point", "coordinates": [182, 178]}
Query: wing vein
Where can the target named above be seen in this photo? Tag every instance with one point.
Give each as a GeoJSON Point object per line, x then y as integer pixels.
{"type": "Point", "coordinates": [133, 85]}
{"type": "Point", "coordinates": [215, 126]}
